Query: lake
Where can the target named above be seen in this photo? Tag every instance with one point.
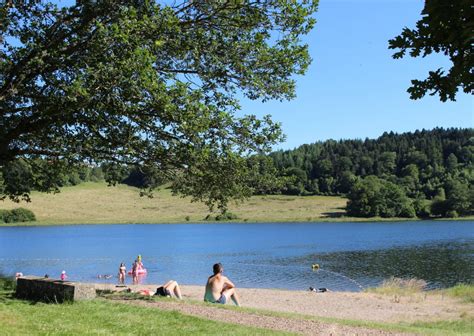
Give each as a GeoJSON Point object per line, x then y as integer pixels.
{"type": "Point", "coordinates": [351, 256]}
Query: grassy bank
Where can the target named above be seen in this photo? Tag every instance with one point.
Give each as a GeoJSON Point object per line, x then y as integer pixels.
{"type": "Point", "coordinates": [104, 316]}
{"type": "Point", "coordinates": [91, 203]}
{"type": "Point", "coordinates": [108, 318]}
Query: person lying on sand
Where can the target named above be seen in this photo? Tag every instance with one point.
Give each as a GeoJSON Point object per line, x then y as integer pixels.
{"type": "Point", "coordinates": [219, 288]}
{"type": "Point", "coordinates": [319, 290]}
{"type": "Point", "coordinates": [168, 288]}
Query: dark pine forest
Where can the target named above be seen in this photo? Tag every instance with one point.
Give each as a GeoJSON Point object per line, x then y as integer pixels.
{"type": "Point", "coordinates": [424, 173]}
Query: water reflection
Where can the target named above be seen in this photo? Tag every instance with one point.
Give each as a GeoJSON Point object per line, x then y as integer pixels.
{"type": "Point", "coordinates": [441, 265]}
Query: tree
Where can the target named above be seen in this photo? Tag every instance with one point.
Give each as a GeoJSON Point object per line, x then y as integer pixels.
{"type": "Point", "coordinates": [457, 197]}
{"type": "Point", "coordinates": [364, 199]}
{"type": "Point", "coordinates": [295, 181]}
{"type": "Point", "coordinates": [387, 163]}
{"type": "Point", "coordinates": [445, 27]}
{"type": "Point", "coordinates": [148, 84]}
{"type": "Point", "coordinates": [373, 196]}
{"type": "Point", "coordinates": [263, 177]}
{"type": "Point", "coordinates": [345, 182]}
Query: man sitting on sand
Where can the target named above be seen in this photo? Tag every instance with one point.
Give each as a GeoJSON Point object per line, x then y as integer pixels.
{"type": "Point", "coordinates": [219, 288]}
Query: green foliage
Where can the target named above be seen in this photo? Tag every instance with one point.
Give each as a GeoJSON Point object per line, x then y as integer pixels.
{"type": "Point", "coordinates": [18, 179]}
{"type": "Point", "coordinates": [421, 163]}
{"type": "Point", "coordinates": [263, 176]}
{"type": "Point", "coordinates": [23, 176]}
{"type": "Point", "coordinates": [445, 27]}
{"type": "Point", "coordinates": [462, 291]}
{"type": "Point", "coordinates": [372, 197]}
{"type": "Point", "coordinates": [222, 216]}
{"type": "Point", "coordinates": [346, 181]}
{"type": "Point", "coordinates": [457, 200]}
{"type": "Point", "coordinates": [226, 216]}
{"type": "Point", "coordinates": [96, 174]}
{"type": "Point", "coordinates": [422, 208]}
{"type": "Point", "coordinates": [17, 215]}
{"type": "Point", "coordinates": [149, 84]}
{"type": "Point", "coordinates": [2, 184]}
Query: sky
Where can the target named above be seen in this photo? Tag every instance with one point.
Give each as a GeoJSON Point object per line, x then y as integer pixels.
{"type": "Point", "coordinates": [354, 89]}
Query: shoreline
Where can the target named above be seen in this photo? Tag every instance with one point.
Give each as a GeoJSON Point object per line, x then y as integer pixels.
{"type": "Point", "coordinates": [314, 221]}
{"type": "Point", "coordinates": [364, 306]}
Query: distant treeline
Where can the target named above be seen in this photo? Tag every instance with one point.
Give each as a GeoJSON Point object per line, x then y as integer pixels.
{"type": "Point", "coordinates": [424, 174]}
{"type": "Point", "coordinates": [394, 175]}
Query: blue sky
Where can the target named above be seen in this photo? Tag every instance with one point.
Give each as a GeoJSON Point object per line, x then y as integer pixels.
{"type": "Point", "coordinates": [353, 88]}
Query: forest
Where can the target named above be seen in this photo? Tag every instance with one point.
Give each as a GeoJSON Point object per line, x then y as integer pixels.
{"type": "Point", "coordinates": [427, 173]}
{"type": "Point", "coordinates": [422, 173]}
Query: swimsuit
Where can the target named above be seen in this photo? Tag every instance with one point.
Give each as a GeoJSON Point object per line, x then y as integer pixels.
{"type": "Point", "coordinates": [162, 291]}
{"type": "Point", "coordinates": [222, 299]}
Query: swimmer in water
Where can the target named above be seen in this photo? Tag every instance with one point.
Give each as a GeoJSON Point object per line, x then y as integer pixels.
{"type": "Point", "coordinates": [122, 273]}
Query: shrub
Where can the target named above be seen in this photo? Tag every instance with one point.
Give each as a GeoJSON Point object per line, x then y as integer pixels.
{"type": "Point", "coordinates": [74, 179]}
{"type": "Point", "coordinates": [17, 215]}
{"type": "Point", "coordinates": [222, 217]}
{"type": "Point", "coordinates": [226, 216]}
{"type": "Point", "coordinates": [422, 208]}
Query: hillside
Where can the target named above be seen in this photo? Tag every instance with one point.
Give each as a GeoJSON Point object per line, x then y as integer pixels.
{"type": "Point", "coordinates": [97, 203]}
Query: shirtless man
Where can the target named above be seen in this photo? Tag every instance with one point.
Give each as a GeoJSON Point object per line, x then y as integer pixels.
{"type": "Point", "coordinates": [219, 288]}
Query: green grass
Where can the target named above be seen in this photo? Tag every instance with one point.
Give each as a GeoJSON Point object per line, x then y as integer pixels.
{"type": "Point", "coordinates": [102, 317]}
{"type": "Point", "coordinates": [462, 291]}
{"type": "Point", "coordinates": [96, 203]}
{"type": "Point", "coordinates": [463, 326]}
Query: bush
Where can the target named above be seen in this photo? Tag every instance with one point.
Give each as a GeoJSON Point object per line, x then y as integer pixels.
{"type": "Point", "coordinates": [74, 179]}
{"type": "Point", "coordinates": [373, 196]}
{"type": "Point", "coordinates": [422, 208]}
{"type": "Point", "coordinates": [226, 216]}
{"type": "Point", "coordinates": [452, 214]}
{"type": "Point", "coordinates": [222, 217]}
{"type": "Point", "coordinates": [17, 215]}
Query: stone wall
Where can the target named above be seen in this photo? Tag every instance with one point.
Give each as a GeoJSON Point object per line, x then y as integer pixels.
{"type": "Point", "coordinates": [52, 290]}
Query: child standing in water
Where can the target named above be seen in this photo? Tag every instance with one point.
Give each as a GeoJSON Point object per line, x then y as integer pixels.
{"type": "Point", "coordinates": [122, 273]}
{"type": "Point", "coordinates": [139, 262]}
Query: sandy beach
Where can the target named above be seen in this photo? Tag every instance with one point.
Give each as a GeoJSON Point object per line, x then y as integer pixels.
{"type": "Point", "coordinates": [339, 305]}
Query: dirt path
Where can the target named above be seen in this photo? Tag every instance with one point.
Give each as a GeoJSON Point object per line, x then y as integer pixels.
{"type": "Point", "coordinates": [294, 325]}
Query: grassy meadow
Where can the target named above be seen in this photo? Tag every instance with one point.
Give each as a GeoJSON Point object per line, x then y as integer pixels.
{"type": "Point", "coordinates": [97, 203]}
{"type": "Point", "coordinates": [90, 203]}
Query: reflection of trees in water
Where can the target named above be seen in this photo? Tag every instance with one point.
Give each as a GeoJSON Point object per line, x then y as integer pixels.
{"type": "Point", "coordinates": [442, 265]}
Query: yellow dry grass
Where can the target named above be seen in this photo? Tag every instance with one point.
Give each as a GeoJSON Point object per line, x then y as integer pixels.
{"type": "Point", "coordinates": [97, 203]}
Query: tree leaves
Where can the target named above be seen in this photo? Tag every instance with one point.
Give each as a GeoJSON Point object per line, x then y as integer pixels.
{"type": "Point", "coordinates": [149, 84]}
{"type": "Point", "coordinates": [446, 27]}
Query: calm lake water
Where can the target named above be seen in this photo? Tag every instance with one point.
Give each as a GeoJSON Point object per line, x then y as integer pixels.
{"type": "Point", "coordinates": [351, 255]}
